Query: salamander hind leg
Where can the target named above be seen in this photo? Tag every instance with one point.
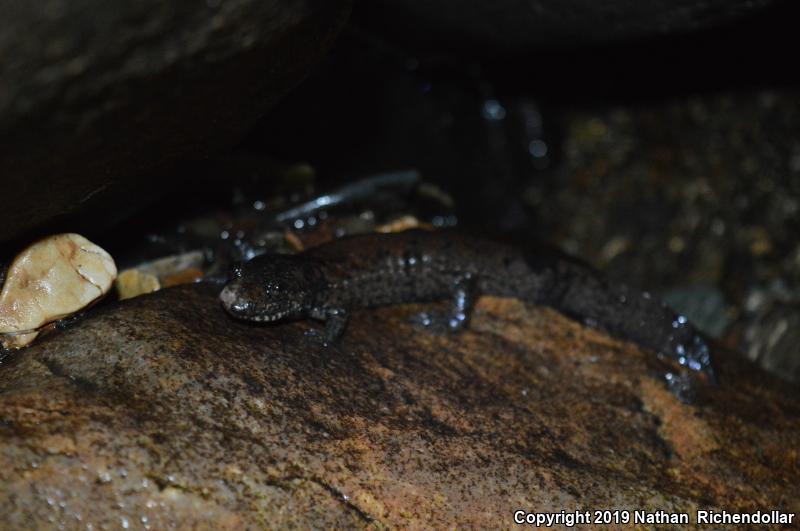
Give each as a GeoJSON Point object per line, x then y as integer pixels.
{"type": "Point", "coordinates": [464, 295]}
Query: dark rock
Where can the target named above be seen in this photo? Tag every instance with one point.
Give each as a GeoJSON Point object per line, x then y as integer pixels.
{"type": "Point", "coordinates": [770, 328]}
{"type": "Point", "coordinates": [98, 100]}
{"type": "Point", "coordinates": [514, 25]}
{"type": "Point", "coordinates": [163, 411]}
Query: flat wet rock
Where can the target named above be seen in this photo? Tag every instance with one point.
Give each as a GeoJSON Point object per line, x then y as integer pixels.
{"type": "Point", "coordinates": [161, 411]}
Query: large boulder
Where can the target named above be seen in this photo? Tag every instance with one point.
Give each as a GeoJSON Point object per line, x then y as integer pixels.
{"type": "Point", "coordinates": [162, 411]}
{"type": "Point", "coordinates": [99, 99]}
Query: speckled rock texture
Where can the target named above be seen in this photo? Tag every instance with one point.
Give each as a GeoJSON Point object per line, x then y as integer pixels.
{"type": "Point", "coordinates": [162, 412]}
{"type": "Point", "coordinates": [99, 99]}
{"type": "Point", "coordinates": [713, 184]}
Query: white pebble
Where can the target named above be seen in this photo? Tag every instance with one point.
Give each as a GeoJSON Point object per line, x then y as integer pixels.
{"type": "Point", "coordinates": [51, 279]}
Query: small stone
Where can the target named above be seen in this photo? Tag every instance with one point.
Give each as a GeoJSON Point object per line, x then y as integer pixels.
{"type": "Point", "coordinates": [51, 279]}
{"type": "Point", "coordinates": [132, 283]}
{"type": "Point", "coordinates": [162, 273]}
{"type": "Point", "coordinates": [402, 223]}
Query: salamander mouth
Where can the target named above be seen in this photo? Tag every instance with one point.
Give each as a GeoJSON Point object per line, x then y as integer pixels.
{"type": "Point", "coordinates": [247, 310]}
{"type": "Point", "coordinates": [269, 317]}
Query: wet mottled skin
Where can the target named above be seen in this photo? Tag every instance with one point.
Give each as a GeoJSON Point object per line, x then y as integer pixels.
{"type": "Point", "coordinates": [372, 270]}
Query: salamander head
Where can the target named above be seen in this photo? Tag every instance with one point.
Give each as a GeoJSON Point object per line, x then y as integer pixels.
{"type": "Point", "coordinates": [272, 287]}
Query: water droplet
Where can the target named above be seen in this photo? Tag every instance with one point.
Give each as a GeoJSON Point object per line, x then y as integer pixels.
{"type": "Point", "coordinates": [537, 148]}
{"type": "Point", "coordinates": [493, 110]}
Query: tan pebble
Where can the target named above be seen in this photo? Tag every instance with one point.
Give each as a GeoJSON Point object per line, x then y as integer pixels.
{"type": "Point", "coordinates": [294, 242]}
{"type": "Point", "coordinates": [170, 265]}
{"type": "Point", "coordinates": [50, 279]}
{"type": "Point", "coordinates": [162, 273]}
{"type": "Point", "coordinates": [614, 247]}
{"type": "Point", "coordinates": [403, 223]}
{"type": "Point", "coordinates": [132, 283]}
{"type": "Point", "coordinates": [187, 276]}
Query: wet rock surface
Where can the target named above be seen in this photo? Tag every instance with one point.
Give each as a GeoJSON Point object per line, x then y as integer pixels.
{"type": "Point", "coordinates": [161, 411]}
{"type": "Point", "coordinates": [98, 101]}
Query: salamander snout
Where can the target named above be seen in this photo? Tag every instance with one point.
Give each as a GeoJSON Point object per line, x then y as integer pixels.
{"type": "Point", "coordinates": [271, 288]}
{"type": "Point", "coordinates": [231, 300]}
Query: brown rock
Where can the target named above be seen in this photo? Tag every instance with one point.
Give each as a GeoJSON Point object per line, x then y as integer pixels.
{"type": "Point", "coordinates": [161, 410]}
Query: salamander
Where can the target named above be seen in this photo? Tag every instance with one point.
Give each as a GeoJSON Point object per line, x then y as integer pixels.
{"type": "Point", "coordinates": [371, 270]}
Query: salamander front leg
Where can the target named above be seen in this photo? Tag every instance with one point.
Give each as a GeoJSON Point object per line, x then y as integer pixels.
{"type": "Point", "coordinates": [465, 293]}
{"type": "Point", "coordinates": [335, 320]}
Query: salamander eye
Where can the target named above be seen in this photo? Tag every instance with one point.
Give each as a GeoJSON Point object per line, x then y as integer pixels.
{"type": "Point", "coordinates": [237, 270]}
